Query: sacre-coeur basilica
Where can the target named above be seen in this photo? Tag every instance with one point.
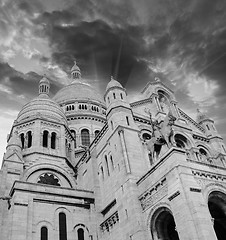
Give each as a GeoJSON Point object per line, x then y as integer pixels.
{"type": "Point", "coordinates": [86, 166]}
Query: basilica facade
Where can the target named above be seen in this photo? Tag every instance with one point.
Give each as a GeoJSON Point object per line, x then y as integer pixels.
{"type": "Point", "coordinates": [82, 166]}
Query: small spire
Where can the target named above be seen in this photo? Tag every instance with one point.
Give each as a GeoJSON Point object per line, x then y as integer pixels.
{"type": "Point", "coordinates": [112, 78]}
{"type": "Point", "coordinates": [44, 86]}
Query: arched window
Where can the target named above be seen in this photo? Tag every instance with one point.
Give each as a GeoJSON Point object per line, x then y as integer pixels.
{"type": "Point", "coordinates": [121, 96]}
{"type": "Point", "coordinates": [74, 135]}
{"type": "Point", "coordinates": [29, 139]}
{"type": "Point", "coordinates": [53, 140]}
{"type": "Point", "coordinates": [107, 167]}
{"type": "Point", "coordinates": [85, 137]}
{"type": "Point", "coordinates": [45, 139]}
{"type": "Point", "coordinates": [62, 226]}
{"type": "Point", "coordinates": [127, 120]}
{"type": "Point", "coordinates": [96, 132]}
{"type": "Point", "coordinates": [44, 233]}
{"type": "Point", "coordinates": [22, 140]}
{"type": "Point", "coordinates": [80, 234]}
{"type": "Point", "coordinates": [102, 172]}
{"type": "Point", "coordinates": [114, 96]}
{"type": "Point", "coordinates": [112, 163]}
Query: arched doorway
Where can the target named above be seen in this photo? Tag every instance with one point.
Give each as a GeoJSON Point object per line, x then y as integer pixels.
{"type": "Point", "coordinates": [163, 225]}
{"type": "Point", "coordinates": [217, 208]}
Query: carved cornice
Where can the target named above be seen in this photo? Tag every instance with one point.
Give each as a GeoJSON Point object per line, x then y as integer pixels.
{"type": "Point", "coordinates": [138, 103]}
{"type": "Point", "coordinates": [153, 194]}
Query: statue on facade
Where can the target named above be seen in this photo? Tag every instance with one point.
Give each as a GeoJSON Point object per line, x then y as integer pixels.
{"type": "Point", "coordinates": [163, 105]}
{"type": "Point", "coordinates": [162, 133]}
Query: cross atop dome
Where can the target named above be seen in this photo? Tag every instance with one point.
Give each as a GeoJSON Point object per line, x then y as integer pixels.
{"type": "Point", "coordinates": [76, 72]}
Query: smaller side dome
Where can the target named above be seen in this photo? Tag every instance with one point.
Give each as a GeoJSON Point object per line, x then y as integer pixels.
{"type": "Point", "coordinates": [42, 106]}
{"type": "Point", "coordinates": [113, 83]}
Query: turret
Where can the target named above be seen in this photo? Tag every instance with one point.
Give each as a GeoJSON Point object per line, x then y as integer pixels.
{"type": "Point", "coordinates": [75, 72]}
{"type": "Point", "coordinates": [118, 108]}
{"type": "Point", "coordinates": [207, 123]}
{"type": "Point", "coordinates": [211, 132]}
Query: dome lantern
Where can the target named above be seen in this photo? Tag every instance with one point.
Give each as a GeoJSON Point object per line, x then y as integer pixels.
{"type": "Point", "coordinates": [44, 87]}
{"type": "Point", "coordinates": [75, 72]}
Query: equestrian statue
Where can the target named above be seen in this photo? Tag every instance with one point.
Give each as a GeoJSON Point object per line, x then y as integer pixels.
{"type": "Point", "coordinates": [162, 133]}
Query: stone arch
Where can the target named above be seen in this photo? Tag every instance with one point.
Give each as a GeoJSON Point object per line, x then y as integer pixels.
{"type": "Point", "coordinates": [217, 209]}
{"type": "Point", "coordinates": [212, 187]}
{"type": "Point", "coordinates": [188, 142]}
{"type": "Point", "coordinates": [203, 153]}
{"type": "Point", "coordinates": [167, 92]}
{"type": "Point", "coordinates": [161, 224]}
{"type": "Point", "coordinates": [49, 167]}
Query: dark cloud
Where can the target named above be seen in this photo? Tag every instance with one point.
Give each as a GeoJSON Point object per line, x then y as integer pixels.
{"type": "Point", "coordinates": [132, 40]}
{"type": "Point", "coordinates": [17, 88]}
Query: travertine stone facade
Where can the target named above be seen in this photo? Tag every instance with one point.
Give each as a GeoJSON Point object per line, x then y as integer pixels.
{"type": "Point", "coordinates": [89, 167]}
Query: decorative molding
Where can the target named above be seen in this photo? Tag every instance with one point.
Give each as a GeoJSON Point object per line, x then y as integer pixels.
{"type": "Point", "coordinates": [209, 176]}
{"type": "Point", "coordinates": [50, 124]}
{"type": "Point", "coordinates": [153, 194]}
{"type": "Point", "coordinates": [138, 103]}
{"type": "Point", "coordinates": [24, 125]}
{"type": "Point", "coordinates": [21, 204]}
{"type": "Point", "coordinates": [201, 138]}
{"type": "Point", "coordinates": [204, 178]}
{"type": "Point", "coordinates": [141, 120]}
{"type": "Point", "coordinates": [109, 223]}
{"type": "Point", "coordinates": [177, 193]}
{"type": "Point", "coordinates": [192, 189]}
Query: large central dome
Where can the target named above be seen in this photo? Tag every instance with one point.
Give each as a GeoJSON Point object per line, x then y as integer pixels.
{"type": "Point", "coordinates": [78, 91]}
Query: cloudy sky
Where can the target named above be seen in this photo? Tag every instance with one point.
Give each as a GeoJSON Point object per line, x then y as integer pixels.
{"type": "Point", "coordinates": [183, 42]}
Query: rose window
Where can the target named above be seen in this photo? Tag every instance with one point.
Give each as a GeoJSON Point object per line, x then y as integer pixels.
{"type": "Point", "coordinates": [48, 178]}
